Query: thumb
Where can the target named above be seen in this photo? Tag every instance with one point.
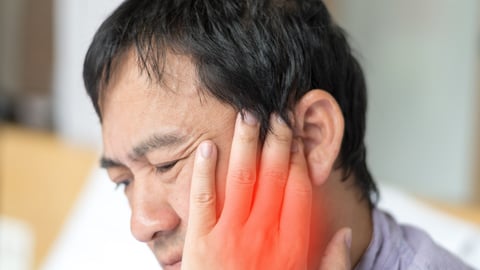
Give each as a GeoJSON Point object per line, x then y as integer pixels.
{"type": "Point", "coordinates": [337, 253]}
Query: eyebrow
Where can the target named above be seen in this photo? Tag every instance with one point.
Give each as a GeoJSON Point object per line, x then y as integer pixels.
{"type": "Point", "coordinates": [107, 163]}
{"type": "Point", "coordinates": [154, 142]}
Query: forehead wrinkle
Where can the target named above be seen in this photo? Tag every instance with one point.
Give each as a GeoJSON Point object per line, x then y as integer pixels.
{"type": "Point", "coordinates": [154, 142]}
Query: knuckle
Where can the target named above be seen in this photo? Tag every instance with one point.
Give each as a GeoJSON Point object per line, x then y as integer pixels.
{"type": "Point", "coordinates": [283, 138]}
{"type": "Point", "coordinates": [243, 176]}
{"type": "Point", "coordinates": [204, 198]}
{"type": "Point", "coordinates": [201, 173]}
{"type": "Point", "coordinates": [245, 137]}
{"type": "Point", "coordinates": [276, 175]}
{"type": "Point", "coordinates": [280, 137]}
{"type": "Point", "coordinates": [304, 189]}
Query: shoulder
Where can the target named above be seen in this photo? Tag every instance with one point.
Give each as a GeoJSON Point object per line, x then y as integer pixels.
{"type": "Point", "coordinates": [424, 253]}
{"type": "Point", "coordinates": [396, 246]}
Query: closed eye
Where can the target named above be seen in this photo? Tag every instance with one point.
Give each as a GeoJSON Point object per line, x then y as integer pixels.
{"type": "Point", "coordinates": [122, 184]}
{"type": "Point", "coordinates": [165, 167]}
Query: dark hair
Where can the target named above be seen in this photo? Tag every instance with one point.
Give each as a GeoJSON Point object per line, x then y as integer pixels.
{"type": "Point", "coordinates": [256, 55]}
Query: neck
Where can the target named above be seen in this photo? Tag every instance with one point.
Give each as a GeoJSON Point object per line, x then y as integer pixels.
{"type": "Point", "coordinates": [338, 204]}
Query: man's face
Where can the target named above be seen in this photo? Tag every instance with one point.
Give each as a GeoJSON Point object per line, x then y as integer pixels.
{"type": "Point", "coordinates": [150, 133]}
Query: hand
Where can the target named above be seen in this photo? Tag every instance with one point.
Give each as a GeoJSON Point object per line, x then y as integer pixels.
{"type": "Point", "coordinates": [265, 222]}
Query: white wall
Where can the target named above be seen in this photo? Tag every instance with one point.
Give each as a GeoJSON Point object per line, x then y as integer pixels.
{"type": "Point", "coordinates": [76, 23]}
{"type": "Point", "coordinates": [420, 59]}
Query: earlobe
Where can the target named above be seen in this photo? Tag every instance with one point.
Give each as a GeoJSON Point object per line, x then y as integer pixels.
{"type": "Point", "coordinates": [320, 124]}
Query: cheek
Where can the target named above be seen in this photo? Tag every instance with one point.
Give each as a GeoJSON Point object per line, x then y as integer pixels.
{"type": "Point", "coordinates": [181, 193]}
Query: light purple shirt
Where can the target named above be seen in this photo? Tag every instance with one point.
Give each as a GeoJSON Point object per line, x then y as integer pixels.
{"type": "Point", "coordinates": [399, 247]}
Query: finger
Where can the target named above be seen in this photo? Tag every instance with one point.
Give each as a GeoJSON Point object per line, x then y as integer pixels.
{"type": "Point", "coordinates": [202, 213]}
{"type": "Point", "coordinates": [273, 173]}
{"type": "Point", "coordinates": [297, 202]}
{"type": "Point", "coordinates": [337, 253]}
{"type": "Point", "coordinates": [242, 170]}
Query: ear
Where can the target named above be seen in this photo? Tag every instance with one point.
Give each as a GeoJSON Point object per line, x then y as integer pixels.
{"type": "Point", "coordinates": [319, 123]}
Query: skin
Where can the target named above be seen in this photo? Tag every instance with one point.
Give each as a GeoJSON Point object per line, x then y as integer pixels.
{"type": "Point", "coordinates": [266, 215]}
{"type": "Point", "coordinates": [152, 132]}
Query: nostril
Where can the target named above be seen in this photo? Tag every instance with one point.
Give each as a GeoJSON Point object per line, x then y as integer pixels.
{"type": "Point", "coordinates": [142, 229]}
{"type": "Point", "coordinates": [152, 211]}
{"type": "Point", "coordinates": [146, 224]}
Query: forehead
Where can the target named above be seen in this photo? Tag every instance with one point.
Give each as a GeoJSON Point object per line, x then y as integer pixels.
{"type": "Point", "coordinates": [135, 107]}
{"type": "Point", "coordinates": [178, 76]}
{"type": "Point", "coordinates": [132, 97]}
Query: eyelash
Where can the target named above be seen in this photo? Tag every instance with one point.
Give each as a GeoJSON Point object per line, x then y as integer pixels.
{"type": "Point", "coordinates": [158, 169]}
{"type": "Point", "coordinates": [165, 167]}
{"type": "Point", "coordinates": [123, 184]}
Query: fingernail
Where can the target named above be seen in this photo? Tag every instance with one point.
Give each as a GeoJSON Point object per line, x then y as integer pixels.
{"type": "Point", "coordinates": [348, 238]}
{"type": "Point", "coordinates": [249, 118]}
{"type": "Point", "coordinates": [206, 149]}
{"type": "Point", "coordinates": [281, 120]}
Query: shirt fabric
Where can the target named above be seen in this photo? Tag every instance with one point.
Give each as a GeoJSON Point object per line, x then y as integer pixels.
{"type": "Point", "coordinates": [401, 247]}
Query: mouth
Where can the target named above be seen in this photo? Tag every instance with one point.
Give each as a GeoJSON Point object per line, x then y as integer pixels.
{"type": "Point", "coordinates": [174, 264]}
{"type": "Point", "coordinates": [168, 253]}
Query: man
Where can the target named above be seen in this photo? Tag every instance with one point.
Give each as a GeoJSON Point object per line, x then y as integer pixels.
{"type": "Point", "coordinates": [237, 129]}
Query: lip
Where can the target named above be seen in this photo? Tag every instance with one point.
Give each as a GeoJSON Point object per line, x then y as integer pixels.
{"type": "Point", "coordinates": [174, 265]}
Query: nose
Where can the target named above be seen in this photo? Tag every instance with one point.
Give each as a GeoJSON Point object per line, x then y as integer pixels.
{"type": "Point", "coordinates": [151, 212]}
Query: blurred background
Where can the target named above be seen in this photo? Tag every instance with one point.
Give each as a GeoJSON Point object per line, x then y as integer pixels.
{"type": "Point", "coordinates": [421, 62]}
